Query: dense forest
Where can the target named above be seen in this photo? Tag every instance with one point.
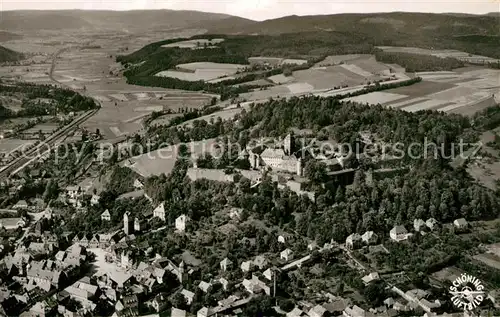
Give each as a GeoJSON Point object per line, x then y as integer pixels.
{"type": "Point", "coordinates": [55, 100]}
{"type": "Point", "coordinates": [418, 62]}
{"type": "Point", "coordinates": [7, 55]}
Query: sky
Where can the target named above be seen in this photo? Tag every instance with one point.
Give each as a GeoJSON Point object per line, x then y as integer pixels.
{"type": "Point", "coordinates": [263, 9]}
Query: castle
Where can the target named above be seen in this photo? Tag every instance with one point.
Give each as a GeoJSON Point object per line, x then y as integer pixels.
{"type": "Point", "coordinates": [279, 159]}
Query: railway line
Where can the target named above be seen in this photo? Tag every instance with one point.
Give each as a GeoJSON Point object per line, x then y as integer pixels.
{"type": "Point", "coordinates": [19, 163]}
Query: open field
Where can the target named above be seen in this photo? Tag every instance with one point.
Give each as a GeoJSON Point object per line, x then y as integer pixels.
{"type": "Point", "coordinates": [11, 145]}
{"type": "Point", "coordinates": [490, 260]}
{"type": "Point", "coordinates": [202, 71]}
{"type": "Point", "coordinates": [195, 44]}
{"type": "Point", "coordinates": [280, 79]}
{"type": "Point", "coordinates": [376, 97]}
{"type": "Point", "coordinates": [337, 59]}
{"type": "Point", "coordinates": [462, 92]}
{"type": "Point", "coordinates": [162, 161]}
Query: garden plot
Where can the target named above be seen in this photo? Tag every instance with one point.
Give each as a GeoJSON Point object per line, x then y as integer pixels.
{"type": "Point", "coordinates": [376, 97]}
{"type": "Point", "coordinates": [195, 44]}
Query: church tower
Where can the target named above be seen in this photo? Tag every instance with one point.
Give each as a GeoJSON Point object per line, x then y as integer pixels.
{"type": "Point", "coordinates": [126, 224]}
{"type": "Point", "coordinates": [288, 144]}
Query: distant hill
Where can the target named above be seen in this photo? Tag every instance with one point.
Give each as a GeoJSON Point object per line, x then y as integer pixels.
{"type": "Point", "coordinates": [7, 55]}
{"type": "Point", "coordinates": [394, 22]}
{"type": "Point", "coordinates": [471, 33]}
{"type": "Point", "coordinates": [236, 23]}
{"type": "Point", "coordinates": [107, 20]}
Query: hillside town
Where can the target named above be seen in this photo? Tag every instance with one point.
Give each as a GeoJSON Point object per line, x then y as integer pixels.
{"type": "Point", "coordinates": [179, 163]}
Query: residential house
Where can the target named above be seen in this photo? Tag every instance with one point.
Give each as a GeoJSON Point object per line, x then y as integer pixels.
{"type": "Point", "coordinates": [353, 241]}
{"type": "Point", "coordinates": [106, 216]}
{"type": "Point", "coordinates": [204, 286]}
{"type": "Point", "coordinates": [431, 223]}
{"type": "Point", "coordinates": [94, 201]}
{"type": "Point", "coordinates": [286, 255]}
{"type": "Point", "coordinates": [312, 246]}
{"type": "Point", "coordinates": [180, 223]}
{"type": "Point", "coordinates": [12, 223]}
{"type": "Point", "coordinates": [84, 242]}
{"type": "Point", "coordinates": [105, 240]}
{"type": "Point", "coordinates": [21, 205]}
{"type": "Point", "coordinates": [205, 312]}
{"type": "Point", "coordinates": [224, 283]}
{"type": "Point", "coordinates": [261, 262]}
{"type": "Point", "coordinates": [226, 264]}
{"type": "Point", "coordinates": [367, 279]}
{"type": "Point", "coordinates": [281, 239]}
{"type": "Point", "coordinates": [268, 274]}
{"type": "Point", "coordinates": [317, 311]}
{"type": "Point", "coordinates": [295, 312]}
{"type": "Point", "coordinates": [94, 242]}
{"type": "Point", "coordinates": [138, 185]}
{"type": "Point", "coordinates": [160, 302]}
{"type": "Point", "coordinates": [256, 286]}
{"type": "Point", "coordinates": [235, 214]}
{"type": "Point", "coordinates": [418, 224]}
{"type": "Point", "coordinates": [369, 238]}
{"type": "Point", "coordinates": [399, 233]}
{"type": "Point", "coordinates": [73, 192]}
{"type": "Point", "coordinates": [188, 295]}
{"type": "Point", "coordinates": [178, 312]}
{"type": "Point", "coordinates": [159, 211]}
{"type": "Point", "coordinates": [356, 311]}
{"type": "Point", "coordinates": [461, 224]}
{"type": "Point", "coordinates": [246, 266]}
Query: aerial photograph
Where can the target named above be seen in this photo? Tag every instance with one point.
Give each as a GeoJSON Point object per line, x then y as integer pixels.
{"type": "Point", "coordinates": [249, 158]}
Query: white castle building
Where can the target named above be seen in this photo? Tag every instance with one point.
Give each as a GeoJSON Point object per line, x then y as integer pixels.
{"type": "Point", "coordinates": [280, 159]}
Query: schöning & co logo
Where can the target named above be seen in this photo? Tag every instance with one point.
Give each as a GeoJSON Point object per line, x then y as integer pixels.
{"type": "Point", "coordinates": [467, 291]}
